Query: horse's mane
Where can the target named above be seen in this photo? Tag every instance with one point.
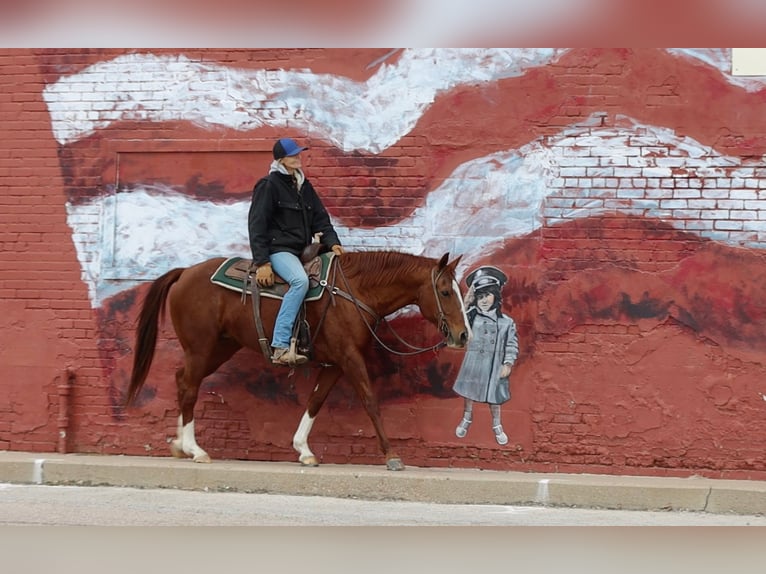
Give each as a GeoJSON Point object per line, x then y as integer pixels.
{"type": "Point", "coordinates": [375, 268]}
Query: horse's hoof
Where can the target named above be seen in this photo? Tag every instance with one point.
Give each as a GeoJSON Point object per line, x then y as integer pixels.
{"type": "Point", "coordinates": [309, 461]}
{"type": "Point", "coordinates": [394, 464]}
{"type": "Point", "coordinates": [202, 458]}
{"type": "Point", "coordinates": [177, 451]}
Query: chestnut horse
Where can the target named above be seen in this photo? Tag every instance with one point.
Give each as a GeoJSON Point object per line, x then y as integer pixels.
{"type": "Point", "coordinates": [212, 324]}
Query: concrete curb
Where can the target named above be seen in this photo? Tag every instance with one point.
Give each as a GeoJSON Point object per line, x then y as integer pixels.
{"type": "Point", "coordinates": [438, 485]}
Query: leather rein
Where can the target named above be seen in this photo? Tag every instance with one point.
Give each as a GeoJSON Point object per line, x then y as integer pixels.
{"type": "Point", "coordinates": [360, 306]}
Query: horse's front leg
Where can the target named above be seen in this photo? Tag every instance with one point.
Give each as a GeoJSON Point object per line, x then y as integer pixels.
{"type": "Point", "coordinates": [356, 373]}
{"type": "Point", "coordinates": [325, 381]}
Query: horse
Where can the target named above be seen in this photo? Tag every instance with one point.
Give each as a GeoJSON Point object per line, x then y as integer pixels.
{"type": "Point", "coordinates": [211, 324]}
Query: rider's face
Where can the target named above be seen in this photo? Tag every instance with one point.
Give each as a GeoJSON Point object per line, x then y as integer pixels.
{"type": "Point", "coordinates": [292, 162]}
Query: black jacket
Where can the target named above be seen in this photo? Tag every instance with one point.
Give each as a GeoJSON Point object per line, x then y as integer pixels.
{"type": "Point", "coordinates": [283, 219]}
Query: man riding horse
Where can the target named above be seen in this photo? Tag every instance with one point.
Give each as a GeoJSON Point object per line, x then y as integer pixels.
{"type": "Point", "coordinates": [285, 213]}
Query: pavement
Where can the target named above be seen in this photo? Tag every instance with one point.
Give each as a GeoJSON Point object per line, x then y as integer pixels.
{"type": "Point", "coordinates": [416, 484]}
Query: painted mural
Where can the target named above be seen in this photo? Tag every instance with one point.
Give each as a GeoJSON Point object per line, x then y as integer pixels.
{"type": "Point", "coordinates": [624, 210]}
{"type": "Point", "coordinates": [491, 353]}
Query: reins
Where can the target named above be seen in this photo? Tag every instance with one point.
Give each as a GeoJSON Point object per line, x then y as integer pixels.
{"type": "Point", "coordinates": [334, 290]}
{"type": "Point", "coordinates": [361, 307]}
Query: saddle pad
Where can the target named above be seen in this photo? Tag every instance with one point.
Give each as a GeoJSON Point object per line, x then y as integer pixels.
{"type": "Point", "coordinates": [232, 272]}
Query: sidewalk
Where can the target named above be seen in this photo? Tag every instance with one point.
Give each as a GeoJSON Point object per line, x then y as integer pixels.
{"type": "Point", "coordinates": [439, 485]}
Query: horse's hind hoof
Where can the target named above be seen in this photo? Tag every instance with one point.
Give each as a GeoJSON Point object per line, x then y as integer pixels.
{"type": "Point", "coordinates": [177, 451]}
{"type": "Point", "coordinates": [309, 461]}
{"type": "Point", "coordinates": [204, 458]}
{"type": "Point", "coordinates": [394, 464]}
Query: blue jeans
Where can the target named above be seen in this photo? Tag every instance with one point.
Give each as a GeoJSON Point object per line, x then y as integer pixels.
{"type": "Point", "coordinates": [289, 268]}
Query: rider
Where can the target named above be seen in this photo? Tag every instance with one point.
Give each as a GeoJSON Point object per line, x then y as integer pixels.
{"type": "Point", "coordinates": [285, 214]}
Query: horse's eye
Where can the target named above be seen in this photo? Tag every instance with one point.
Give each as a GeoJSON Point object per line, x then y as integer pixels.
{"type": "Point", "coordinates": [445, 293]}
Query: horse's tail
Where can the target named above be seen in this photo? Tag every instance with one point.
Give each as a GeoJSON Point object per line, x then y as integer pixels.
{"type": "Point", "coordinates": [146, 334]}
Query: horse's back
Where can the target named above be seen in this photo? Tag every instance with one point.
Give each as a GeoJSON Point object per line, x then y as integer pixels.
{"type": "Point", "coordinates": [201, 272]}
{"type": "Point", "coordinates": [197, 305]}
{"type": "Point", "coordinates": [209, 264]}
{"type": "Point", "coordinates": [194, 291]}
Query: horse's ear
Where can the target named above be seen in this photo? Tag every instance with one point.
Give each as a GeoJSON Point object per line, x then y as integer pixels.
{"type": "Point", "coordinates": [453, 264]}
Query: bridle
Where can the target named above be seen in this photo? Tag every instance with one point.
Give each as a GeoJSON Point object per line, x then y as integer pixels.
{"type": "Point", "coordinates": [362, 307]}
{"type": "Point", "coordinates": [441, 319]}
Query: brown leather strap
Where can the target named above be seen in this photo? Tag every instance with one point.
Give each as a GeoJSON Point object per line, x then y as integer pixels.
{"type": "Point", "coordinates": [255, 291]}
{"type": "Point", "coordinates": [335, 290]}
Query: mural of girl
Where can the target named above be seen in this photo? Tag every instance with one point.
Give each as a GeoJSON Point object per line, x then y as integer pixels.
{"type": "Point", "coordinates": [491, 353]}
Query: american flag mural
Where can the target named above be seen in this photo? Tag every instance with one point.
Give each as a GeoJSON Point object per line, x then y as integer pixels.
{"type": "Point", "coordinates": [623, 193]}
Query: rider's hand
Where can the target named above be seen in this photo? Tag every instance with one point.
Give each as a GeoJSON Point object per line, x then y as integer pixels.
{"type": "Point", "coordinates": [264, 275]}
{"type": "Point", "coordinates": [338, 249]}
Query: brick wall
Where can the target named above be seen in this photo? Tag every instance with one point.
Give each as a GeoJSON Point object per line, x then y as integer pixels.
{"type": "Point", "coordinates": [620, 190]}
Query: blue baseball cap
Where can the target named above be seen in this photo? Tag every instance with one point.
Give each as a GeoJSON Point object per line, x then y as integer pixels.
{"type": "Point", "coordinates": [286, 147]}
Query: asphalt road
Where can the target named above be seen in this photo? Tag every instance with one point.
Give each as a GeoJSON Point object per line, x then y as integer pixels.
{"type": "Point", "coordinates": [120, 506]}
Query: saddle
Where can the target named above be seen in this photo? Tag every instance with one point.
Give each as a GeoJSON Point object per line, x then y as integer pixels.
{"type": "Point", "coordinates": [237, 273]}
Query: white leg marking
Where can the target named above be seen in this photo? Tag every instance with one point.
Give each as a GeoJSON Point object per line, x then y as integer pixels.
{"type": "Point", "coordinates": [301, 437]}
{"type": "Point", "coordinates": [177, 444]}
{"type": "Point", "coordinates": [190, 445]}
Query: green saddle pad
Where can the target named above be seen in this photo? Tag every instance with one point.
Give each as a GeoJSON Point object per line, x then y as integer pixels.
{"type": "Point", "coordinates": [232, 272]}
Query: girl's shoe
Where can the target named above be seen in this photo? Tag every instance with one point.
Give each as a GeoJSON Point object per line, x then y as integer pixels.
{"type": "Point", "coordinates": [462, 428]}
{"type": "Point", "coordinates": [500, 436]}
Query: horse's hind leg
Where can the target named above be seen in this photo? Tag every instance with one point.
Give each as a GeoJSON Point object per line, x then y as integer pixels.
{"type": "Point", "coordinates": [177, 444]}
{"type": "Point", "coordinates": [185, 444]}
{"type": "Point", "coordinates": [325, 381]}
{"type": "Point", "coordinates": [188, 380]}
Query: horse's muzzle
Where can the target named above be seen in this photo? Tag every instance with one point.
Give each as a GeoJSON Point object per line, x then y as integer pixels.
{"type": "Point", "coordinates": [458, 342]}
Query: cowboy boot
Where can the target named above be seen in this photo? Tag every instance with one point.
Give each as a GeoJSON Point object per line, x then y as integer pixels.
{"type": "Point", "coordinates": [289, 357]}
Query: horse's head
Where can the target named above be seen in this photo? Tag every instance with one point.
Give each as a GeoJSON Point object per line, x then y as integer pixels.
{"type": "Point", "coordinates": [441, 303]}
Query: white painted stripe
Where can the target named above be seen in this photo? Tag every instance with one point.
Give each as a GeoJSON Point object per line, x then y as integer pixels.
{"type": "Point", "coordinates": [542, 491]}
{"type": "Point", "coordinates": [479, 206]}
{"type": "Point", "coordinates": [369, 116]}
{"type": "Point", "coordinates": [374, 114]}
{"type": "Point", "coordinates": [37, 471]}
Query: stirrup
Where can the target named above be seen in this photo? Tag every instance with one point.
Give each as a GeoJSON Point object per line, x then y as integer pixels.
{"type": "Point", "coordinates": [295, 357]}
{"type": "Point", "coordinates": [288, 357]}
{"type": "Point", "coordinates": [462, 428]}
{"type": "Point", "coordinates": [500, 436]}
